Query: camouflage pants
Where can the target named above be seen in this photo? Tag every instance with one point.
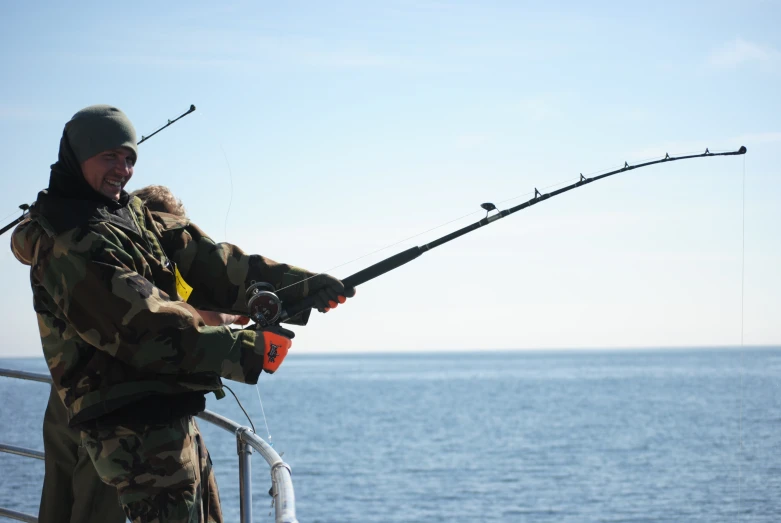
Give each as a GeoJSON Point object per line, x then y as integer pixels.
{"type": "Point", "coordinates": [162, 473]}
{"type": "Point", "coordinates": [72, 490]}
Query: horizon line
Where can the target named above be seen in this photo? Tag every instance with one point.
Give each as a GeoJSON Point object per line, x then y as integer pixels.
{"type": "Point", "coordinates": [368, 352]}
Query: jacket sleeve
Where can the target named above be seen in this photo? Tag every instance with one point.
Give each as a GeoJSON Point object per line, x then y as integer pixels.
{"type": "Point", "coordinates": [96, 292]}
{"type": "Point", "coordinates": [220, 273]}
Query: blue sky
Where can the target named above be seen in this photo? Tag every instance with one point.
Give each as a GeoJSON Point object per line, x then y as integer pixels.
{"type": "Point", "coordinates": [326, 131]}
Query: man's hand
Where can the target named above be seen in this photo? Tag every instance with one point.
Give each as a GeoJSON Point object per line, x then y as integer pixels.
{"type": "Point", "coordinates": [328, 292]}
{"type": "Point", "coordinates": [215, 319]}
{"type": "Point", "coordinates": [274, 342]}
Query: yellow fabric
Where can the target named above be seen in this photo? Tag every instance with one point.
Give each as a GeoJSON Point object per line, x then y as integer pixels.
{"type": "Point", "coordinates": [182, 286]}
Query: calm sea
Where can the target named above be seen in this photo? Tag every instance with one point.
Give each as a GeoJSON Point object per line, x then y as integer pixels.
{"type": "Point", "coordinates": [611, 436]}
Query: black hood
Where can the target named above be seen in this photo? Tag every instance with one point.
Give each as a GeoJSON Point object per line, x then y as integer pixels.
{"type": "Point", "coordinates": [70, 201]}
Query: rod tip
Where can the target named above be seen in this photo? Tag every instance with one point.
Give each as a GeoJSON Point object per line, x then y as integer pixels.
{"type": "Point", "coordinates": [192, 108]}
{"type": "Point", "coordinates": [742, 149]}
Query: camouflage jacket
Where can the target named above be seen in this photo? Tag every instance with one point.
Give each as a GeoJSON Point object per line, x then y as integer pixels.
{"type": "Point", "coordinates": [113, 328]}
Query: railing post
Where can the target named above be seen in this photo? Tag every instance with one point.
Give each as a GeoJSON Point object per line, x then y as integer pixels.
{"type": "Point", "coordinates": [245, 476]}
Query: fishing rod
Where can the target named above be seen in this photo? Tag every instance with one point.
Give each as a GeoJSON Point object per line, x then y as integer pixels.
{"type": "Point", "coordinates": [25, 211]}
{"type": "Point", "coordinates": [266, 308]}
{"type": "Point", "coordinates": [170, 122]}
{"type": "Point", "coordinates": [26, 208]}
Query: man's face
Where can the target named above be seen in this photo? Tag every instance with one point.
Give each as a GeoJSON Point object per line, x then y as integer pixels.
{"type": "Point", "coordinates": [109, 171]}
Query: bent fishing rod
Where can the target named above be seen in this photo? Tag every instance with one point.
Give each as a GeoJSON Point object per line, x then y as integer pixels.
{"type": "Point", "coordinates": [26, 208]}
{"type": "Point", "coordinates": [266, 308]}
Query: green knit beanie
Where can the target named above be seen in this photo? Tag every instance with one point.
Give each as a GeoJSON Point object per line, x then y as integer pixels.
{"type": "Point", "coordinates": [98, 128]}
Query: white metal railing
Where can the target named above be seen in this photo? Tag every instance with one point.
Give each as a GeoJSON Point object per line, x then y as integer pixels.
{"type": "Point", "coordinates": [246, 442]}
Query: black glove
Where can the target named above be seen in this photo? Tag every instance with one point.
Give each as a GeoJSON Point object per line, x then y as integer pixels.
{"type": "Point", "coordinates": [328, 292]}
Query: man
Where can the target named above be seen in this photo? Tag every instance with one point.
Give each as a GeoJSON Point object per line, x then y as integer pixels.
{"type": "Point", "coordinates": [130, 360]}
{"type": "Point", "coordinates": [72, 490]}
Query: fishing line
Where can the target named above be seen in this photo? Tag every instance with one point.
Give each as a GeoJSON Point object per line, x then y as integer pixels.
{"type": "Point", "coordinates": [230, 201]}
{"type": "Point", "coordinates": [382, 249]}
{"type": "Point", "coordinates": [214, 138]}
{"type": "Point", "coordinates": [16, 211]}
{"type": "Point", "coordinates": [257, 388]}
{"type": "Point", "coordinates": [225, 227]}
{"type": "Point", "coordinates": [742, 307]}
{"type": "Point", "coordinates": [419, 234]}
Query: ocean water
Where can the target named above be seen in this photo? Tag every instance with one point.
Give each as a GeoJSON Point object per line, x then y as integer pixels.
{"type": "Point", "coordinates": [550, 436]}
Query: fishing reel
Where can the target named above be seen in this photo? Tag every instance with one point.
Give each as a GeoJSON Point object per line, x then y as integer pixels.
{"type": "Point", "coordinates": [264, 305]}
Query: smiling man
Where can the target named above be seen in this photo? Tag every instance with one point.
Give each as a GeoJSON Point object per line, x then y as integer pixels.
{"type": "Point", "coordinates": [103, 141]}
{"type": "Point", "coordinates": [129, 354]}
{"type": "Point", "coordinates": [109, 171]}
